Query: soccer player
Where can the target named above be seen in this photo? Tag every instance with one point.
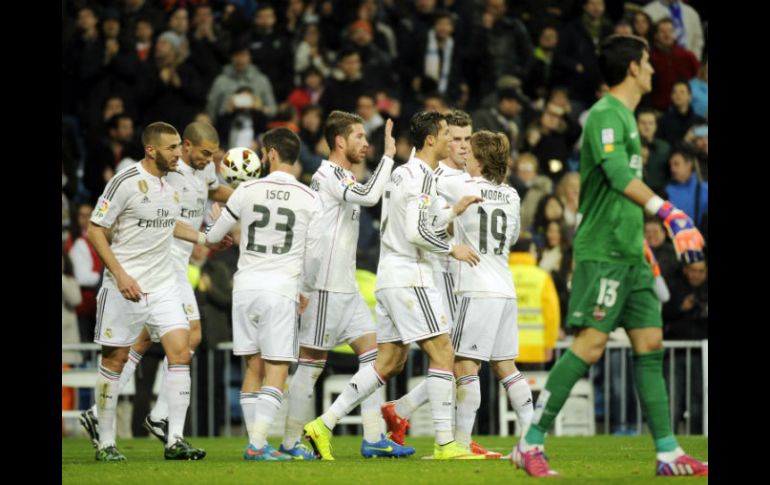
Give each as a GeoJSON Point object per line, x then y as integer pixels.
{"type": "Point", "coordinates": [409, 308]}
{"type": "Point", "coordinates": [139, 288]}
{"type": "Point", "coordinates": [196, 180]}
{"type": "Point", "coordinates": [451, 183]}
{"type": "Point", "coordinates": [612, 284]}
{"type": "Point", "coordinates": [336, 312]}
{"type": "Point", "coordinates": [279, 218]}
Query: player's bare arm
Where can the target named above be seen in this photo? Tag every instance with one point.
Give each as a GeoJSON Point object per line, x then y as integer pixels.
{"type": "Point", "coordinates": [128, 287]}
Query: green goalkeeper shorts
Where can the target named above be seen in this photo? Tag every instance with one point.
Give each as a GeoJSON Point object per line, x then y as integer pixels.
{"type": "Point", "coordinates": [608, 295]}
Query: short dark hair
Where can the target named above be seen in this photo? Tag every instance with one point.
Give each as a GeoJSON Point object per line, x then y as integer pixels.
{"type": "Point", "coordinates": [682, 82]}
{"type": "Point", "coordinates": [459, 118]}
{"type": "Point", "coordinates": [645, 111]}
{"type": "Point", "coordinates": [151, 134]}
{"type": "Point", "coordinates": [114, 121]}
{"type": "Point", "coordinates": [285, 142]}
{"type": "Point", "coordinates": [340, 123]}
{"type": "Point", "coordinates": [442, 14]}
{"type": "Point", "coordinates": [617, 52]}
{"type": "Point", "coordinates": [345, 52]}
{"type": "Point", "coordinates": [422, 124]}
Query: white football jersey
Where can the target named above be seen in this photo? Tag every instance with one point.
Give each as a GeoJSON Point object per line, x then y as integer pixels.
{"type": "Point", "coordinates": [407, 231]}
{"type": "Point", "coordinates": [278, 216]}
{"type": "Point", "coordinates": [194, 185]}
{"type": "Point", "coordinates": [451, 185]}
{"type": "Point", "coordinates": [342, 198]}
{"type": "Point", "coordinates": [490, 228]}
{"type": "Point", "coordinates": [142, 210]}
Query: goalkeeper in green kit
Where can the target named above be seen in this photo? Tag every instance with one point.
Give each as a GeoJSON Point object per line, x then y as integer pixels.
{"type": "Point", "coordinates": [612, 284]}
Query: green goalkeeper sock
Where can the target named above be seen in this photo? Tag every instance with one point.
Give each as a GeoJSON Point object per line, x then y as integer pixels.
{"type": "Point", "coordinates": [567, 371]}
{"type": "Point", "coordinates": [648, 377]}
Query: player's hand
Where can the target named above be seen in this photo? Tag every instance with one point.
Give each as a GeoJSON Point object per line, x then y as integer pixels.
{"type": "Point", "coordinates": [688, 241]}
{"type": "Point", "coordinates": [128, 287]}
{"type": "Point", "coordinates": [215, 211]}
{"type": "Point", "coordinates": [651, 260]}
{"type": "Point", "coordinates": [390, 142]}
{"type": "Point", "coordinates": [225, 243]}
{"type": "Point", "coordinates": [461, 252]}
{"type": "Point", "coordinates": [303, 301]}
{"type": "Point", "coordinates": [465, 202]}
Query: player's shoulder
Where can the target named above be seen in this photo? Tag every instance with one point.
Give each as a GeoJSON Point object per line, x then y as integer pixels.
{"type": "Point", "coordinates": [128, 179]}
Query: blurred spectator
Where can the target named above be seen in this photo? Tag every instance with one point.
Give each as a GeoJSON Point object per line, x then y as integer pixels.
{"type": "Point", "coordinates": [376, 63]}
{"type": "Point", "coordinates": [104, 154]}
{"type": "Point", "coordinates": [311, 52]}
{"type": "Point", "coordinates": [500, 45]}
{"type": "Point", "coordinates": [686, 190]}
{"type": "Point", "coordinates": [688, 30]}
{"type": "Point", "coordinates": [699, 87]}
{"type": "Point", "coordinates": [374, 126]}
{"type": "Point", "coordinates": [623, 27]}
{"type": "Point", "coordinates": [309, 91]}
{"type": "Point", "coordinates": [271, 50]}
{"type": "Point", "coordinates": [530, 186]}
{"type": "Point", "coordinates": [576, 61]}
{"type": "Point", "coordinates": [244, 119]}
{"type": "Point", "coordinates": [209, 44]}
{"type": "Point", "coordinates": [549, 209]}
{"type": "Point", "coordinates": [568, 192]}
{"type": "Point", "coordinates": [171, 88]}
{"type": "Point", "coordinates": [384, 36]}
{"type": "Point", "coordinates": [656, 168]}
{"type": "Point", "coordinates": [413, 24]}
{"type": "Point", "coordinates": [671, 62]}
{"type": "Point", "coordinates": [240, 73]}
{"type": "Point", "coordinates": [313, 148]}
{"type": "Point", "coordinates": [135, 11]}
{"type": "Point", "coordinates": [662, 249]}
{"type": "Point", "coordinates": [344, 88]}
{"type": "Point", "coordinates": [70, 298]}
{"type": "Point", "coordinates": [555, 257]}
{"type": "Point", "coordinates": [436, 56]}
{"type": "Point", "coordinates": [642, 26]}
{"type": "Point", "coordinates": [142, 39]}
{"type": "Point", "coordinates": [680, 116]}
{"type": "Point", "coordinates": [550, 138]}
{"type": "Point", "coordinates": [507, 116]}
{"type": "Point", "coordinates": [540, 75]}
{"type": "Point", "coordinates": [87, 269]}
{"type": "Point", "coordinates": [685, 317]}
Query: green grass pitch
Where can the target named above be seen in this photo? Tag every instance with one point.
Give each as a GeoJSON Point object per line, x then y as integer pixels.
{"type": "Point", "coordinates": [601, 460]}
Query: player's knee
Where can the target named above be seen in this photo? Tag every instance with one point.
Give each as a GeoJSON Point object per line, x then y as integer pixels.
{"type": "Point", "coordinates": [115, 360]}
{"type": "Point", "coordinates": [390, 368]}
{"type": "Point", "coordinates": [179, 357]}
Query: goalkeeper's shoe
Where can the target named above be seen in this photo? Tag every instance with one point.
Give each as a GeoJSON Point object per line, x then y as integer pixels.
{"type": "Point", "coordinates": [477, 449]}
{"type": "Point", "coordinates": [266, 453]}
{"type": "Point", "coordinates": [320, 438]}
{"type": "Point", "coordinates": [685, 465]}
{"type": "Point", "coordinates": [89, 422]}
{"type": "Point", "coordinates": [300, 451]}
{"type": "Point", "coordinates": [182, 450]}
{"type": "Point", "coordinates": [454, 451]}
{"type": "Point", "coordinates": [534, 462]}
{"type": "Point", "coordinates": [395, 424]}
{"type": "Point", "coordinates": [158, 429]}
{"type": "Point", "coordinates": [110, 453]}
{"type": "Point", "coordinates": [385, 448]}
{"type": "Point", "coordinates": [688, 241]}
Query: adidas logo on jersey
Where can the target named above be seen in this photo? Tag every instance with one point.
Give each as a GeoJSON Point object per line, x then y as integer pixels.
{"type": "Point", "coordinates": [474, 347]}
{"type": "Point", "coordinates": [145, 200]}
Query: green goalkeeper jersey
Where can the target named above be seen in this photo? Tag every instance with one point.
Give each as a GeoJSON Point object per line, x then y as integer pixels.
{"type": "Point", "coordinates": [611, 226]}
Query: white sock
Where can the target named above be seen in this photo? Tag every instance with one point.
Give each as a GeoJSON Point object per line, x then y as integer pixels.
{"type": "Point", "coordinates": [468, 402]}
{"type": "Point", "coordinates": [107, 394]}
{"type": "Point", "coordinates": [178, 397]}
{"type": "Point", "coordinates": [411, 401]}
{"type": "Point", "coordinates": [249, 409]}
{"type": "Point", "coordinates": [520, 396]}
{"type": "Point", "coordinates": [371, 415]}
{"type": "Point", "coordinates": [441, 387]}
{"type": "Point", "coordinates": [160, 410]}
{"type": "Point", "coordinates": [361, 386]}
{"type": "Point", "coordinates": [669, 456]}
{"type": "Point", "coordinates": [301, 403]}
{"type": "Point", "coordinates": [128, 371]}
{"type": "Point", "coordinates": [268, 404]}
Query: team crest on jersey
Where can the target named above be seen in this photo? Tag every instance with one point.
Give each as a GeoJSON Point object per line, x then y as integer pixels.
{"type": "Point", "coordinates": [108, 333]}
{"type": "Point", "coordinates": [423, 202]}
{"type": "Point", "coordinates": [608, 135]}
{"type": "Point", "coordinates": [143, 186]}
{"type": "Point", "coordinates": [188, 309]}
{"type": "Point", "coordinates": [599, 314]}
{"type": "Point", "coordinates": [326, 339]}
{"type": "Point", "coordinates": [443, 320]}
{"type": "Point", "coordinates": [176, 197]}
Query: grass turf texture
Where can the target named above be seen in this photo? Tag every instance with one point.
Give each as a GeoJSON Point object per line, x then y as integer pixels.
{"type": "Point", "coordinates": [600, 460]}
